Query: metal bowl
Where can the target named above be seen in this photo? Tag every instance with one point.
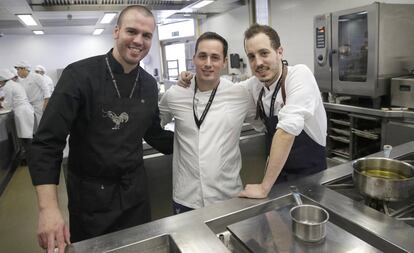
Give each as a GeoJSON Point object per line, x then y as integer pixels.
{"type": "Point", "coordinates": [308, 222]}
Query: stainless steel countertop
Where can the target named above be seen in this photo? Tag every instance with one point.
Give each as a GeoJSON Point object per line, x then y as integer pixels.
{"type": "Point", "coordinates": [196, 231]}
{"type": "Point", "coordinates": [370, 111]}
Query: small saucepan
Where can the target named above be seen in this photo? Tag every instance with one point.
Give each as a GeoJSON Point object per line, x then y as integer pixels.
{"type": "Point", "coordinates": [308, 221]}
{"type": "Point", "coordinates": [384, 178]}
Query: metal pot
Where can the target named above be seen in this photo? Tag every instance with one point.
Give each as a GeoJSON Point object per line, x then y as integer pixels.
{"type": "Point", "coordinates": [308, 221]}
{"type": "Point", "coordinates": [384, 178]}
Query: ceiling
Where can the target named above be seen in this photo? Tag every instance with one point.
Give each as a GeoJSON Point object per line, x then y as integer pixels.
{"type": "Point", "coordinates": [83, 16]}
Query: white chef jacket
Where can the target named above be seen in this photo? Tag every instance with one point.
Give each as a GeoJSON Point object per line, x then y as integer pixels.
{"type": "Point", "coordinates": [304, 108]}
{"type": "Point", "coordinates": [15, 98]}
{"type": "Point", "coordinates": [37, 90]}
{"type": "Point", "coordinates": [49, 83]}
{"type": "Point", "coordinates": [206, 161]}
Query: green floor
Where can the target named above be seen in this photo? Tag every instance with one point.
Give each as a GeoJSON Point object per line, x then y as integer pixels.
{"type": "Point", "coordinates": [18, 214]}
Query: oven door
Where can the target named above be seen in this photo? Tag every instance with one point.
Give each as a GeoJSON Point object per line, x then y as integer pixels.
{"type": "Point", "coordinates": [354, 51]}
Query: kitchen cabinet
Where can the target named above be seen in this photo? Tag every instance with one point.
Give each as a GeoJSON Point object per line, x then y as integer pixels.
{"type": "Point", "coordinates": [398, 132]}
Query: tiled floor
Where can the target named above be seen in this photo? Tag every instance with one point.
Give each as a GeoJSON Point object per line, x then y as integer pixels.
{"type": "Point", "coordinates": [18, 214]}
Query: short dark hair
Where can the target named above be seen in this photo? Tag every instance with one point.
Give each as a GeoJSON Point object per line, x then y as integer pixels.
{"type": "Point", "coordinates": [255, 29]}
{"type": "Point", "coordinates": [213, 36]}
{"type": "Point", "coordinates": [142, 9]}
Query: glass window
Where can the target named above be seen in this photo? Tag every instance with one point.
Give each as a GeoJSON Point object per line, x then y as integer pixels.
{"type": "Point", "coordinates": [262, 12]}
{"type": "Point", "coordinates": [176, 61]}
{"type": "Point", "coordinates": [353, 47]}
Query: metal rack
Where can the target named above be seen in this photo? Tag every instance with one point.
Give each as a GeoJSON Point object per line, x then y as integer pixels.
{"type": "Point", "coordinates": [351, 135]}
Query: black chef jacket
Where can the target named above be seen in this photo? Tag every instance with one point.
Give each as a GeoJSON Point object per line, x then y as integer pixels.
{"type": "Point", "coordinates": [106, 181]}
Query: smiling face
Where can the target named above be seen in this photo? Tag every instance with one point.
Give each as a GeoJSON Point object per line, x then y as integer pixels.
{"type": "Point", "coordinates": [209, 60]}
{"type": "Point", "coordinates": [133, 38]}
{"type": "Point", "coordinates": [264, 60]}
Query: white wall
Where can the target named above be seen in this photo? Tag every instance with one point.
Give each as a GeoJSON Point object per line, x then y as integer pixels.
{"type": "Point", "coordinates": [51, 51]}
{"type": "Point", "coordinates": [57, 51]}
{"type": "Point", "coordinates": [293, 20]}
{"type": "Point", "coordinates": [153, 59]}
{"type": "Point", "coordinates": [231, 25]}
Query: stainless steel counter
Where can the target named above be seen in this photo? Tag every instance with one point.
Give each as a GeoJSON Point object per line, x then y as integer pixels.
{"type": "Point", "coordinates": [200, 230]}
{"type": "Point", "coordinates": [8, 147]}
{"type": "Point", "coordinates": [369, 111]}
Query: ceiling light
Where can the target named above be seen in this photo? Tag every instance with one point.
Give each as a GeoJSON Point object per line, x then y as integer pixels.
{"type": "Point", "coordinates": [38, 32]}
{"type": "Point", "coordinates": [98, 31]}
{"type": "Point", "coordinates": [27, 19]}
{"type": "Point", "coordinates": [201, 4]}
{"type": "Point", "coordinates": [108, 17]}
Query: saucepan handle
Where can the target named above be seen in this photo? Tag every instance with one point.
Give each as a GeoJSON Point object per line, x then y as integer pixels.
{"type": "Point", "coordinates": [296, 195]}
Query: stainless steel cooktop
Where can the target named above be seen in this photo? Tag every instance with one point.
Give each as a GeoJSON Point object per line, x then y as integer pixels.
{"type": "Point", "coordinates": [401, 210]}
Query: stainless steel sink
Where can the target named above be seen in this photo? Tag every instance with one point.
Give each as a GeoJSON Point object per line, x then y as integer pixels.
{"type": "Point", "coordinates": [159, 244]}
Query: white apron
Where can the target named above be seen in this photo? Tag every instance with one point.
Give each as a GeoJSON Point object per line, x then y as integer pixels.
{"type": "Point", "coordinates": [24, 119]}
{"type": "Point", "coordinates": [16, 99]}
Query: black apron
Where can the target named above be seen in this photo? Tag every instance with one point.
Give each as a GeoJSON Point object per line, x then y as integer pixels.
{"type": "Point", "coordinates": [306, 156]}
{"type": "Point", "coordinates": [106, 200]}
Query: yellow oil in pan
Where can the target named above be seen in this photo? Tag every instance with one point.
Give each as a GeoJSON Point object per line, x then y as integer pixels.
{"type": "Point", "coordinates": [386, 174]}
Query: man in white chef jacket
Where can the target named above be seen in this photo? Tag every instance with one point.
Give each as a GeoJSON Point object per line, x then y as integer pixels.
{"type": "Point", "coordinates": [208, 120]}
{"type": "Point", "coordinates": [15, 98]}
{"type": "Point", "coordinates": [36, 88]}
{"type": "Point", "coordinates": [39, 69]}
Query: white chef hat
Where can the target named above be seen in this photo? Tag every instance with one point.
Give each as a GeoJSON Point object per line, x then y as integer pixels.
{"type": "Point", "coordinates": [22, 64]}
{"type": "Point", "coordinates": [40, 68]}
{"type": "Point", "coordinates": [14, 71]}
{"type": "Point", "coordinates": [6, 74]}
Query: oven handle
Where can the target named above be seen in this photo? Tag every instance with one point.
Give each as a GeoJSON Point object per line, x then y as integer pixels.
{"type": "Point", "coordinates": [331, 52]}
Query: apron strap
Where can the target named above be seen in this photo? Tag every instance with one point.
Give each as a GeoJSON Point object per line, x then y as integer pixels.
{"type": "Point", "coordinates": [283, 84]}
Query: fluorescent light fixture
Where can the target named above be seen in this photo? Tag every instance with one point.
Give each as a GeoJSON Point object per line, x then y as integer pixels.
{"type": "Point", "coordinates": [98, 31]}
{"type": "Point", "coordinates": [27, 19]}
{"type": "Point", "coordinates": [38, 32]}
{"type": "Point", "coordinates": [108, 17]}
{"type": "Point", "coordinates": [201, 4]}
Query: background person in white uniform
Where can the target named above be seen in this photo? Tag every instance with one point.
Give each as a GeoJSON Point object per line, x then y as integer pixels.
{"type": "Point", "coordinates": [208, 121]}
{"type": "Point", "coordinates": [15, 98]}
{"type": "Point", "coordinates": [39, 69]}
{"type": "Point", "coordinates": [36, 88]}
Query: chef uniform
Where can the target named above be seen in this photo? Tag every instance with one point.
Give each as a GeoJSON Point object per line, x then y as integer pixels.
{"type": "Point", "coordinates": [293, 103]}
{"type": "Point", "coordinates": [16, 99]}
{"type": "Point", "coordinates": [39, 69]}
{"type": "Point", "coordinates": [207, 158]}
{"type": "Point", "coordinates": [37, 91]}
{"type": "Point", "coordinates": [106, 181]}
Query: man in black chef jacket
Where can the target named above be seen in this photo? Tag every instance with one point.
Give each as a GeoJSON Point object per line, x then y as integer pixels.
{"type": "Point", "coordinates": [107, 104]}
